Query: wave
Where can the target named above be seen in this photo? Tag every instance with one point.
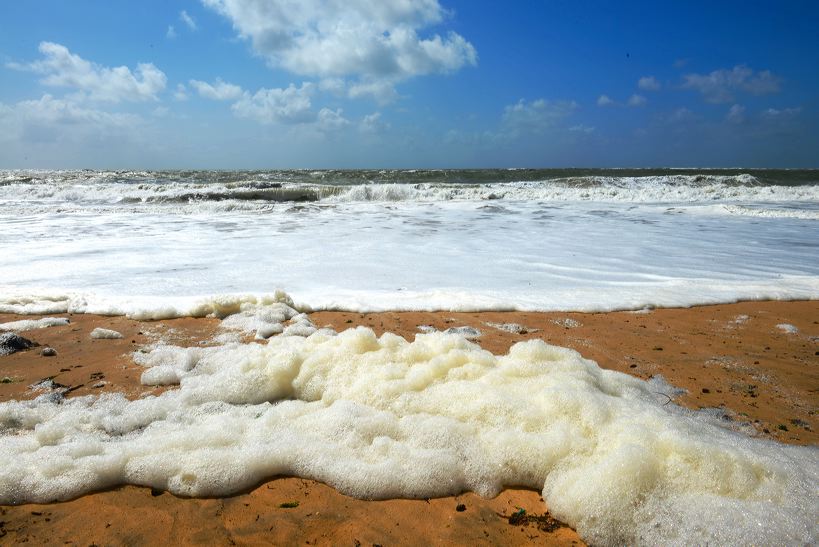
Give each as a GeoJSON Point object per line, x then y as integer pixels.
{"type": "Point", "coordinates": [671, 293]}
{"type": "Point", "coordinates": [800, 214]}
{"type": "Point", "coordinates": [138, 190]}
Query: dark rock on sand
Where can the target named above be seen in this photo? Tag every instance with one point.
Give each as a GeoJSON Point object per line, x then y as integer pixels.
{"type": "Point", "coordinates": [48, 352]}
{"type": "Point", "coordinates": [12, 343]}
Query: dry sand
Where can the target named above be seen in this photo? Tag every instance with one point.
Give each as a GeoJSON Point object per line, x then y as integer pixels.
{"type": "Point", "coordinates": [734, 357]}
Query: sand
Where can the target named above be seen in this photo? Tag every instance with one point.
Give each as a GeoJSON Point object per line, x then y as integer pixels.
{"type": "Point", "coordinates": [758, 362]}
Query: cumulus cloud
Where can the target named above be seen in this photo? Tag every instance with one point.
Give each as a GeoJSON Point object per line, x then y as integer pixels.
{"type": "Point", "coordinates": [218, 91]}
{"type": "Point", "coordinates": [382, 91]}
{"type": "Point", "coordinates": [636, 100]}
{"type": "Point", "coordinates": [736, 114]}
{"type": "Point", "coordinates": [49, 119]}
{"type": "Point", "coordinates": [187, 19]}
{"type": "Point", "coordinates": [336, 86]}
{"type": "Point", "coordinates": [181, 93]}
{"type": "Point", "coordinates": [604, 100]}
{"type": "Point", "coordinates": [62, 68]}
{"type": "Point", "coordinates": [331, 120]}
{"type": "Point", "coordinates": [720, 86]}
{"type": "Point", "coordinates": [372, 123]}
{"type": "Point", "coordinates": [277, 105]}
{"type": "Point", "coordinates": [289, 106]}
{"type": "Point", "coordinates": [375, 41]}
{"type": "Point", "coordinates": [648, 83]}
{"type": "Point", "coordinates": [535, 116]}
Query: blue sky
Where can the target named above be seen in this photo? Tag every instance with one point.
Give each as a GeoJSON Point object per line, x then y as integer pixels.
{"type": "Point", "coordinates": [407, 83]}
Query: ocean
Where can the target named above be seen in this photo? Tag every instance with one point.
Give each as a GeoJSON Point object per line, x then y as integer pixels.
{"type": "Point", "coordinates": [385, 417]}
{"type": "Point", "coordinates": [161, 243]}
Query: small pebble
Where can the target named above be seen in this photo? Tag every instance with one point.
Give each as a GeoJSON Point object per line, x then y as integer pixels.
{"type": "Point", "coordinates": [48, 352]}
{"type": "Point", "coordinates": [460, 508]}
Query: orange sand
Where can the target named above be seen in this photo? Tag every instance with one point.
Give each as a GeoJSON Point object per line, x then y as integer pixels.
{"type": "Point", "coordinates": [731, 356]}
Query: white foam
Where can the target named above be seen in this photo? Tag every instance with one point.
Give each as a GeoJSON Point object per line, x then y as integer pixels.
{"type": "Point", "coordinates": [470, 333]}
{"type": "Point", "coordinates": [105, 334]}
{"type": "Point", "coordinates": [381, 417]}
{"type": "Point", "coordinates": [167, 365]}
{"type": "Point", "coordinates": [105, 192]}
{"type": "Point", "coordinates": [594, 245]}
{"type": "Point", "coordinates": [767, 212]}
{"type": "Point", "coordinates": [788, 328]}
{"type": "Point", "coordinates": [240, 307]}
{"type": "Point", "coordinates": [32, 324]}
{"type": "Point", "coordinates": [513, 328]}
{"type": "Point", "coordinates": [650, 189]}
{"type": "Point", "coordinates": [566, 323]}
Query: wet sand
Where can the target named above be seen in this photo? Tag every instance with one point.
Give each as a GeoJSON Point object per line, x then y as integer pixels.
{"type": "Point", "coordinates": [737, 358]}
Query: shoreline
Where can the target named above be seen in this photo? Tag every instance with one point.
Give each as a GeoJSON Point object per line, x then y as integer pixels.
{"type": "Point", "coordinates": [731, 357]}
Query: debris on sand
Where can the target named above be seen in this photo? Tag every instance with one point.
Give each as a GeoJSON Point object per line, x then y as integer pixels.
{"type": "Point", "coordinates": [12, 343]}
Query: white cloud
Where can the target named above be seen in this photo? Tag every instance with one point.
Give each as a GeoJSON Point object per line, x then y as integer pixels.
{"type": "Point", "coordinates": [50, 119]}
{"type": "Point", "coordinates": [181, 93]}
{"type": "Point", "coordinates": [218, 91]}
{"type": "Point", "coordinates": [64, 69]}
{"type": "Point", "coordinates": [535, 116]}
{"type": "Point", "coordinates": [604, 100]}
{"type": "Point", "coordinates": [382, 91]}
{"type": "Point", "coordinates": [288, 105]}
{"type": "Point", "coordinates": [779, 114]}
{"type": "Point", "coordinates": [331, 120]}
{"type": "Point", "coordinates": [376, 41]}
{"type": "Point", "coordinates": [736, 114]}
{"type": "Point", "coordinates": [636, 100]}
{"type": "Point", "coordinates": [580, 128]}
{"type": "Point", "coordinates": [171, 33]}
{"type": "Point", "coordinates": [336, 86]}
{"type": "Point", "coordinates": [372, 123]}
{"type": "Point", "coordinates": [719, 86]}
{"type": "Point", "coordinates": [648, 83]}
{"type": "Point", "coordinates": [680, 115]}
{"type": "Point", "coordinates": [187, 19]}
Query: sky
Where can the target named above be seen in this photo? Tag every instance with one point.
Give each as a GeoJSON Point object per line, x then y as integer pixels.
{"type": "Point", "coordinates": [253, 84]}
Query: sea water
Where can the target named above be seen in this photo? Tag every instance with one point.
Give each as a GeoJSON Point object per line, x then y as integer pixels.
{"type": "Point", "coordinates": [380, 417]}
{"type": "Point", "coordinates": [535, 240]}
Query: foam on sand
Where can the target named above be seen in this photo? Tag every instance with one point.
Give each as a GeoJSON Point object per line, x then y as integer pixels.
{"type": "Point", "coordinates": [383, 417]}
{"type": "Point", "coordinates": [33, 324]}
{"type": "Point", "coordinates": [105, 334]}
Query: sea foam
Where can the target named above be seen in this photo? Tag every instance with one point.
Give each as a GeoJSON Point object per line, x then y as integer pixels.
{"type": "Point", "coordinates": [384, 418]}
{"type": "Point", "coordinates": [33, 324]}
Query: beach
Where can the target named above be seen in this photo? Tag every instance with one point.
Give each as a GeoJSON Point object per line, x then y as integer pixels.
{"type": "Point", "coordinates": [499, 356]}
{"type": "Point", "coordinates": [409, 272]}
{"type": "Point", "coordinates": [753, 363]}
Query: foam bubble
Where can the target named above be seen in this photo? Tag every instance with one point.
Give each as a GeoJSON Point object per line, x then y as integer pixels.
{"type": "Point", "coordinates": [788, 328]}
{"type": "Point", "coordinates": [383, 417]}
{"type": "Point", "coordinates": [33, 324]}
{"type": "Point", "coordinates": [513, 328]}
{"type": "Point", "coordinates": [105, 334]}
